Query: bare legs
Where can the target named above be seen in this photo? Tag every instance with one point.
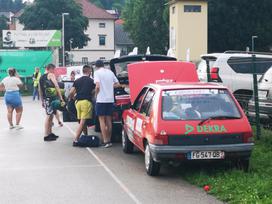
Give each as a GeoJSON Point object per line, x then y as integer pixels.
{"type": "Point", "coordinates": [9, 115]}
{"type": "Point", "coordinates": [48, 124]}
{"type": "Point", "coordinates": [19, 111]}
{"type": "Point", "coordinates": [82, 127]}
{"type": "Point", "coordinates": [106, 128]}
{"type": "Point", "coordinates": [58, 118]}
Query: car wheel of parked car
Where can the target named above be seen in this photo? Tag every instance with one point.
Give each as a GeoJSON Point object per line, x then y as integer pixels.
{"type": "Point", "coordinates": [127, 145]}
{"type": "Point", "coordinates": [152, 167]}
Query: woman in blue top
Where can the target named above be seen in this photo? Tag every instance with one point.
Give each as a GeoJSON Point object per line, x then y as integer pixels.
{"type": "Point", "coordinates": [11, 84]}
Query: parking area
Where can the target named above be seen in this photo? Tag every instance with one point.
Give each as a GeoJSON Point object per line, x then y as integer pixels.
{"type": "Point", "coordinates": [33, 171]}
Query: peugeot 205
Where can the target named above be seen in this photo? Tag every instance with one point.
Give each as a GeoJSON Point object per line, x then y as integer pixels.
{"type": "Point", "coordinates": [173, 120]}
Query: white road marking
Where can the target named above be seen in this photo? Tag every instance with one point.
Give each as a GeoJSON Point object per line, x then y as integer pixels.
{"type": "Point", "coordinates": [48, 167]}
{"type": "Point", "coordinates": [107, 169]}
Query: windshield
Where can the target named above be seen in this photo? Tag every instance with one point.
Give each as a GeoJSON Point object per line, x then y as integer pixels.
{"type": "Point", "coordinates": [197, 104]}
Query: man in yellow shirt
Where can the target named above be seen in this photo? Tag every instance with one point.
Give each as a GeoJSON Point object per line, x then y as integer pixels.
{"type": "Point", "coordinates": [36, 78]}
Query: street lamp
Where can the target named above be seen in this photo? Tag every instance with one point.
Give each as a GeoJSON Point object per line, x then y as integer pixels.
{"type": "Point", "coordinates": [252, 42]}
{"type": "Point", "coordinates": [63, 43]}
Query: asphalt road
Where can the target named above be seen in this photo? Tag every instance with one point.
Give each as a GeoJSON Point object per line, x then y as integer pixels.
{"type": "Point", "coordinates": [34, 171]}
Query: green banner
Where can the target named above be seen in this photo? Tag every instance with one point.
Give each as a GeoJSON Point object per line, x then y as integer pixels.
{"type": "Point", "coordinates": [24, 61]}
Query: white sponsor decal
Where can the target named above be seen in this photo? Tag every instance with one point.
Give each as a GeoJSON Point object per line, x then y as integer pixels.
{"type": "Point", "coordinates": [139, 123]}
{"type": "Point", "coordinates": [130, 123]}
{"type": "Point", "coordinates": [189, 92]}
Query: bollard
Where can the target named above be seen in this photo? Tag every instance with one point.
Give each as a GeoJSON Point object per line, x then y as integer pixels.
{"type": "Point", "coordinates": [256, 97]}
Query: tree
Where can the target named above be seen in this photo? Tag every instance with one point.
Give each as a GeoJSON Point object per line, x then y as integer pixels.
{"type": "Point", "coordinates": [47, 15]}
{"type": "Point", "coordinates": [3, 26]}
{"type": "Point", "coordinates": [110, 4]}
{"type": "Point", "coordinates": [144, 21]}
{"type": "Point", "coordinates": [232, 23]}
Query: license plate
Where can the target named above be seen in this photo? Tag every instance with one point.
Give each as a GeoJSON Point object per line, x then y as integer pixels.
{"type": "Point", "coordinates": [262, 94]}
{"type": "Point", "coordinates": [206, 155]}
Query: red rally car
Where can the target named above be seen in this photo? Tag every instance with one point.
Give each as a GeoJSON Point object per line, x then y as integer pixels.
{"type": "Point", "coordinates": [179, 118]}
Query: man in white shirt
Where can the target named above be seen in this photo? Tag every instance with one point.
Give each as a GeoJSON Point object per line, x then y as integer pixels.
{"type": "Point", "coordinates": [105, 82]}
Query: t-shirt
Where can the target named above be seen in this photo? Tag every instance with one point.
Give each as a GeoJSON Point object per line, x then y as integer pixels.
{"type": "Point", "coordinates": [11, 83]}
{"type": "Point", "coordinates": [84, 87]}
{"type": "Point", "coordinates": [106, 80]}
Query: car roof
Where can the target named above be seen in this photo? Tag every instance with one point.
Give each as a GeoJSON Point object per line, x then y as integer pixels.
{"type": "Point", "coordinates": [182, 85]}
{"type": "Point", "coordinates": [228, 54]}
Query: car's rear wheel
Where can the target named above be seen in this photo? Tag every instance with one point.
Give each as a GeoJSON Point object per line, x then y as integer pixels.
{"type": "Point", "coordinates": [127, 145]}
{"type": "Point", "coordinates": [152, 167]}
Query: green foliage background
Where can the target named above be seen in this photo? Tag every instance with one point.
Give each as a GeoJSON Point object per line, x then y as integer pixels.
{"type": "Point", "coordinates": [46, 15]}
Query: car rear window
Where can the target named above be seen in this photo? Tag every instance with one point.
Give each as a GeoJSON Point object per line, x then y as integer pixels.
{"type": "Point", "coordinates": [197, 104]}
{"type": "Point", "coordinates": [244, 65]}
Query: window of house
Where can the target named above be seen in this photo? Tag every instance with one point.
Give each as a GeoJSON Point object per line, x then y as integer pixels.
{"type": "Point", "coordinates": [173, 9]}
{"type": "Point", "coordinates": [85, 60]}
{"type": "Point", "coordinates": [192, 8]}
{"type": "Point", "coordinates": [102, 25]}
{"type": "Point", "coordinates": [102, 40]}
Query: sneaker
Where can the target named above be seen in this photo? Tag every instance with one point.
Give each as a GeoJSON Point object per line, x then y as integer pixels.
{"type": "Point", "coordinates": [19, 127]}
{"type": "Point", "coordinates": [54, 136]}
{"type": "Point", "coordinates": [75, 143]}
{"type": "Point", "coordinates": [11, 127]}
{"type": "Point", "coordinates": [49, 138]}
{"type": "Point", "coordinates": [109, 144]}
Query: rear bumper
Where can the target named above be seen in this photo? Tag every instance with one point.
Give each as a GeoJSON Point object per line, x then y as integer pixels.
{"type": "Point", "coordinates": [166, 152]}
{"type": "Point", "coordinates": [265, 110]}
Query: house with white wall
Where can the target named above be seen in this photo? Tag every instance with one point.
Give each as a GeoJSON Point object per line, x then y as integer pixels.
{"type": "Point", "coordinates": [101, 33]}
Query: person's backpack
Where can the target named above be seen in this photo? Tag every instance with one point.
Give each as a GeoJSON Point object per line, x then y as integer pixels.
{"type": "Point", "coordinates": [89, 141]}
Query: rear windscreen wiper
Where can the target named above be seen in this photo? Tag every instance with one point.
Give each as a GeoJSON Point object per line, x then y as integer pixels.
{"type": "Point", "coordinates": [220, 117]}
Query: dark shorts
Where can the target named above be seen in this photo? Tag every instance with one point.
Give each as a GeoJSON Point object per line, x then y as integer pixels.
{"type": "Point", "coordinates": [48, 107]}
{"type": "Point", "coordinates": [103, 109]}
{"type": "Point", "coordinates": [13, 99]}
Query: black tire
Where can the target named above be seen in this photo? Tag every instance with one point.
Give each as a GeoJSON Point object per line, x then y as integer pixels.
{"type": "Point", "coordinates": [242, 164]}
{"type": "Point", "coordinates": [152, 167]}
{"type": "Point", "coordinates": [127, 145]}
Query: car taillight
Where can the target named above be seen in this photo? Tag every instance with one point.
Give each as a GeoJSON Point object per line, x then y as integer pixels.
{"type": "Point", "coordinates": [161, 138]}
{"type": "Point", "coordinates": [214, 74]}
{"type": "Point", "coordinates": [248, 137]}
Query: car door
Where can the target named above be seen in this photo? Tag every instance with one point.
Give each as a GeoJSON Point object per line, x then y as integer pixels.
{"type": "Point", "coordinates": [132, 115]}
{"type": "Point", "coordinates": [143, 126]}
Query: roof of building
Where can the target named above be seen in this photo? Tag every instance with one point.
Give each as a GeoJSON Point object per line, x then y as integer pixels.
{"type": "Point", "coordinates": [122, 37]}
{"type": "Point", "coordinates": [91, 11]}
